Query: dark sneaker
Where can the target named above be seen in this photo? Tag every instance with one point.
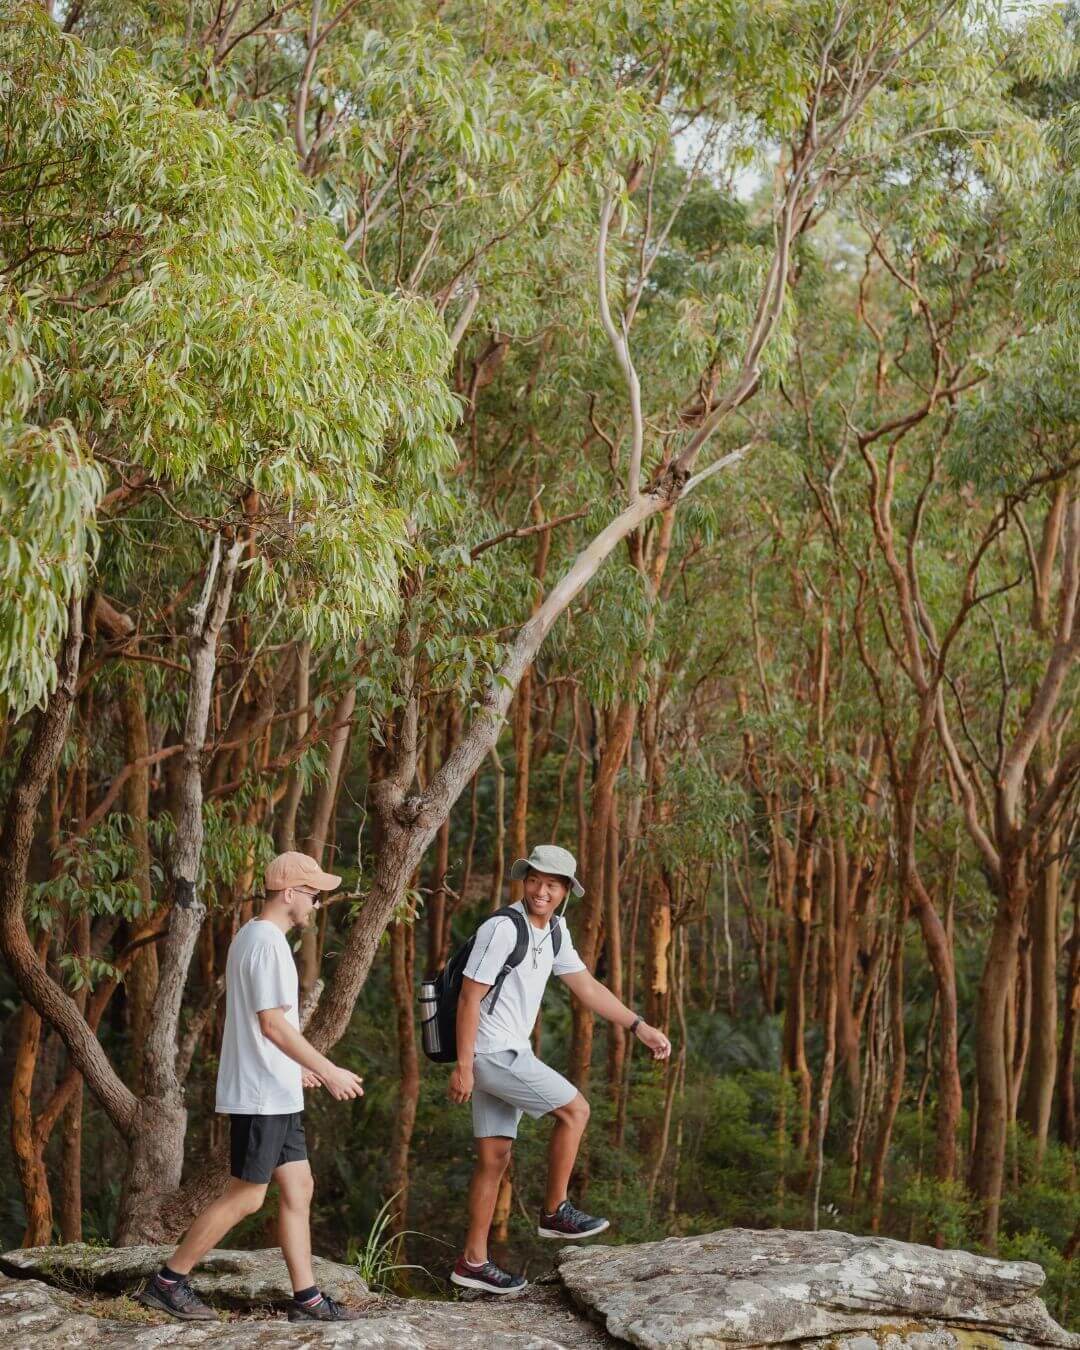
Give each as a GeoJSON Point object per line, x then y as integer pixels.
{"type": "Point", "coordinates": [569, 1223]}
{"type": "Point", "coordinates": [324, 1309]}
{"type": "Point", "coordinates": [178, 1300]}
{"type": "Point", "coordinates": [487, 1277]}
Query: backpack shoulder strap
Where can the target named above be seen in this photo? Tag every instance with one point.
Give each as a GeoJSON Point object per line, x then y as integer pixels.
{"type": "Point", "coordinates": [521, 946]}
{"type": "Point", "coordinates": [556, 935]}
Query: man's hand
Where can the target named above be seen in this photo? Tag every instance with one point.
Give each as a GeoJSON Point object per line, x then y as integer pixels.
{"type": "Point", "coordinates": [342, 1084]}
{"type": "Point", "coordinates": [461, 1083]}
{"type": "Point", "coordinates": [656, 1041]}
{"type": "Point", "coordinates": [310, 1080]}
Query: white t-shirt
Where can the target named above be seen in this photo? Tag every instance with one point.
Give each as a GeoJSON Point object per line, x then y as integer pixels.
{"type": "Point", "coordinates": [510, 1025]}
{"type": "Point", "coordinates": [255, 1078]}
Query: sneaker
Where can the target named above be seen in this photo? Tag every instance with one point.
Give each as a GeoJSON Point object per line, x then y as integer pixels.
{"type": "Point", "coordinates": [569, 1223]}
{"type": "Point", "coordinates": [324, 1309]}
{"type": "Point", "coordinates": [487, 1277]}
{"type": "Point", "coordinates": [178, 1300]}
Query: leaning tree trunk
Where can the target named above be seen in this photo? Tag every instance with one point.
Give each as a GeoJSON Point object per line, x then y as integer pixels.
{"type": "Point", "coordinates": [157, 1141]}
{"type": "Point", "coordinates": [36, 766]}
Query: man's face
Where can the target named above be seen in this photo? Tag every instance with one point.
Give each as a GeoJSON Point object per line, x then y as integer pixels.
{"type": "Point", "coordinates": [544, 893]}
{"type": "Point", "coordinates": [301, 904]}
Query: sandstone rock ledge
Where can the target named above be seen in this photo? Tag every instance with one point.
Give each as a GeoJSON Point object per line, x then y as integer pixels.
{"type": "Point", "coordinates": [744, 1288]}
{"type": "Point", "coordinates": [35, 1316]}
{"type": "Point", "coordinates": [227, 1279]}
{"type": "Point", "coordinates": [58, 1298]}
{"type": "Point", "coordinates": [734, 1289]}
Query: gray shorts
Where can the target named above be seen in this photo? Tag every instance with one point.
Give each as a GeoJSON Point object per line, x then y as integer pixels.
{"type": "Point", "coordinates": [509, 1082]}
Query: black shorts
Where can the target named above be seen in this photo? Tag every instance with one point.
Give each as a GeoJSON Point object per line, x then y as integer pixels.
{"type": "Point", "coordinates": [258, 1144]}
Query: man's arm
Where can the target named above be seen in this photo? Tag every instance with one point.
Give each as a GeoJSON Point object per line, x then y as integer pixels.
{"type": "Point", "coordinates": [599, 999]}
{"type": "Point", "coordinates": [340, 1083]}
{"type": "Point", "coordinates": [468, 1020]}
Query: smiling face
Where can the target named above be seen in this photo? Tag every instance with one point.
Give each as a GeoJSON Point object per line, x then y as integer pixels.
{"type": "Point", "coordinates": [544, 893]}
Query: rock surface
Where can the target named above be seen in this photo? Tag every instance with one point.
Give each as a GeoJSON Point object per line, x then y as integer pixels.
{"type": "Point", "coordinates": [33, 1314]}
{"type": "Point", "coordinates": [227, 1279]}
{"type": "Point", "coordinates": [730, 1289]}
{"type": "Point", "coordinates": [743, 1288]}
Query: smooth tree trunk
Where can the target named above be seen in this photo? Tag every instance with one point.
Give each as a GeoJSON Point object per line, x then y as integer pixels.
{"type": "Point", "coordinates": [498, 862]}
{"type": "Point", "coordinates": [157, 1140]}
{"type": "Point", "coordinates": [617, 1036]}
{"type": "Point", "coordinates": [800, 918]}
{"type": "Point", "coordinates": [29, 1160]}
{"type": "Point", "coordinates": [650, 554]}
{"type": "Point", "coordinates": [71, 1193]}
{"type": "Point", "coordinates": [523, 717]}
{"type": "Point", "coordinates": [1038, 1099]}
{"type": "Point", "coordinates": [589, 917]}
{"type": "Point", "coordinates": [402, 958]}
{"type": "Point", "coordinates": [939, 949]}
{"type": "Point", "coordinates": [142, 982]}
{"type": "Point", "coordinates": [519, 811]}
{"type": "Point", "coordinates": [294, 787]}
{"type": "Point", "coordinates": [322, 824]}
{"type": "Point", "coordinates": [1067, 1058]}
{"type": "Point", "coordinates": [70, 1208]}
{"type": "Point", "coordinates": [988, 1153]}
{"type": "Point", "coordinates": [438, 907]}
{"type": "Point", "coordinates": [895, 1089]}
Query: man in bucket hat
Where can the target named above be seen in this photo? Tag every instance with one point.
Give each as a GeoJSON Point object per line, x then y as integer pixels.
{"type": "Point", "coordinates": [497, 1070]}
{"type": "Point", "coordinates": [264, 1067]}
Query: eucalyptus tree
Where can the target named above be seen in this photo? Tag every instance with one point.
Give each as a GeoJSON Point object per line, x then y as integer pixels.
{"type": "Point", "coordinates": [750, 312]}
{"type": "Point", "coordinates": [169, 279]}
{"type": "Point", "coordinates": [1028, 458]}
{"type": "Point", "coordinates": [451, 163]}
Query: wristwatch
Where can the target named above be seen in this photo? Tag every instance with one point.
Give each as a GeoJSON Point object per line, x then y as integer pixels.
{"type": "Point", "coordinates": [635, 1024]}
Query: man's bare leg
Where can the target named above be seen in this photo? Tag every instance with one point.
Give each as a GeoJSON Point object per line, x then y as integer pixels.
{"type": "Point", "coordinates": [239, 1199]}
{"type": "Point", "coordinates": [570, 1122]}
{"type": "Point", "coordinates": [492, 1160]}
{"type": "Point", "coordinates": [296, 1186]}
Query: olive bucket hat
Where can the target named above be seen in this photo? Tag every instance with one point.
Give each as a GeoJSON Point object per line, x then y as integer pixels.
{"type": "Point", "coordinates": [555, 861]}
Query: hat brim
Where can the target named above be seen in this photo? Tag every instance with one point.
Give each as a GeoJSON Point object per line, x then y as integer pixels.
{"type": "Point", "coordinates": [519, 870]}
{"type": "Point", "coordinates": [326, 881]}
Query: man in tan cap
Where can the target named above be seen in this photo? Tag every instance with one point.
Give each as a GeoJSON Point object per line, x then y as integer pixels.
{"type": "Point", "coordinates": [264, 1067]}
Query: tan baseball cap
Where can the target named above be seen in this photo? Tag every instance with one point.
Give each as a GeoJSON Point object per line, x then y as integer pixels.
{"type": "Point", "coordinates": [297, 869]}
